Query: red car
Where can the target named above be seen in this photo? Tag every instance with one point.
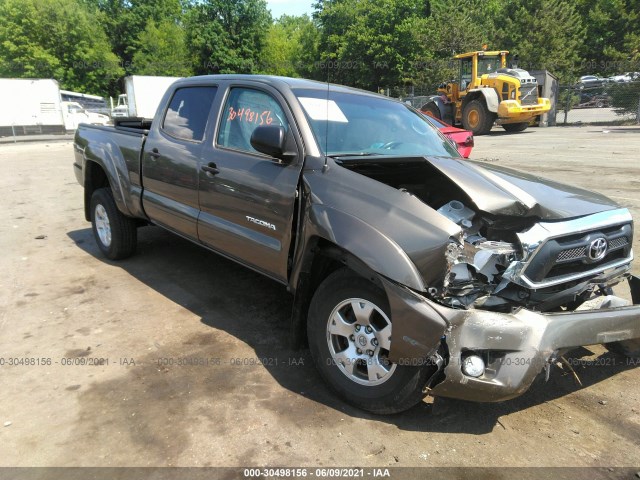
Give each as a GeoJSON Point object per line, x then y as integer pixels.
{"type": "Point", "coordinates": [462, 138]}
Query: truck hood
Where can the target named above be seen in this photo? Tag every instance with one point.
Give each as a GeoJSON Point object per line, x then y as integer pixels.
{"type": "Point", "coordinates": [502, 191]}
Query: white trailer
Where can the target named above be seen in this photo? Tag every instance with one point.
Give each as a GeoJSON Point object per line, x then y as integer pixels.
{"type": "Point", "coordinates": [144, 94]}
{"type": "Point", "coordinates": [30, 106]}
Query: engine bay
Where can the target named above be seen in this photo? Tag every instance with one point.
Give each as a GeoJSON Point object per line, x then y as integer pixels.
{"type": "Point", "coordinates": [488, 246]}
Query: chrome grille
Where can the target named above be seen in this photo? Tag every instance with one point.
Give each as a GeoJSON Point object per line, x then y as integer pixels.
{"type": "Point", "coordinates": [529, 94]}
{"type": "Point", "coordinates": [618, 243]}
{"type": "Point", "coordinates": [572, 254]}
{"type": "Point", "coordinates": [567, 256]}
{"type": "Point", "coordinates": [581, 252]}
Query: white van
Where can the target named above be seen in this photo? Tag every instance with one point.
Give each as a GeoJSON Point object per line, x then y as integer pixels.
{"type": "Point", "coordinates": [75, 114]}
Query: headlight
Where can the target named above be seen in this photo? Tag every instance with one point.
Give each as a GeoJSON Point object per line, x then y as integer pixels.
{"type": "Point", "coordinates": [473, 267]}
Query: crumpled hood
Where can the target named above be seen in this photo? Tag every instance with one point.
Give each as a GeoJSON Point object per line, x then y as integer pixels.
{"type": "Point", "coordinates": [502, 191]}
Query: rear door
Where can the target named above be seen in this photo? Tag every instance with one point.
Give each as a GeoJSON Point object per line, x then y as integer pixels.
{"type": "Point", "coordinates": [170, 162]}
{"type": "Point", "coordinates": [248, 201]}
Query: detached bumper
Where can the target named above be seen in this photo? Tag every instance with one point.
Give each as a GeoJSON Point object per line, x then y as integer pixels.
{"type": "Point", "coordinates": [516, 347]}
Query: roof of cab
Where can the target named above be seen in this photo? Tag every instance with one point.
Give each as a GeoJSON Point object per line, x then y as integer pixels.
{"type": "Point", "coordinates": [277, 82]}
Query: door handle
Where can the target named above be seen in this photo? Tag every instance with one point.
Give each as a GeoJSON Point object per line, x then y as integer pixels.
{"type": "Point", "coordinates": [154, 153]}
{"type": "Point", "coordinates": [211, 168]}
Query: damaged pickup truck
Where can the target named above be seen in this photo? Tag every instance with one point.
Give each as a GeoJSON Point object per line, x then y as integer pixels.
{"type": "Point", "coordinates": [414, 271]}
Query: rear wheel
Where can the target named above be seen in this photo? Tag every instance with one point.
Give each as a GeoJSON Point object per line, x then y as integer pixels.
{"type": "Point", "coordinates": [115, 233]}
{"type": "Point", "coordinates": [516, 127]}
{"type": "Point", "coordinates": [431, 109]}
{"type": "Point", "coordinates": [349, 329]}
{"type": "Point", "coordinates": [477, 117]}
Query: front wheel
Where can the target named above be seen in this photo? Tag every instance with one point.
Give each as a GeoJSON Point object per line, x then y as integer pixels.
{"type": "Point", "coordinates": [516, 127]}
{"type": "Point", "coordinates": [349, 329]}
{"type": "Point", "coordinates": [477, 117]}
{"type": "Point", "coordinates": [115, 233]}
{"type": "Point", "coordinates": [431, 109]}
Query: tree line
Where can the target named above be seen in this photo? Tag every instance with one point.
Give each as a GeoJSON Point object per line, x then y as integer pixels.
{"type": "Point", "coordinates": [89, 45]}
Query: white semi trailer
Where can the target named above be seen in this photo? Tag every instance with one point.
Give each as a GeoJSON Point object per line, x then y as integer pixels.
{"type": "Point", "coordinates": [144, 94]}
{"type": "Point", "coordinates": [30, 106]}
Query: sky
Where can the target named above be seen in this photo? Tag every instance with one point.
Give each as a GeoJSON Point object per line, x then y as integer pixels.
{"type": "Point", "coordinates": [290, 7]}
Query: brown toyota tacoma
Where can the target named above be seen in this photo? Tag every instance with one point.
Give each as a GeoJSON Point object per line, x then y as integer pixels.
{"type": "Point", "coordinates": [414, 271]}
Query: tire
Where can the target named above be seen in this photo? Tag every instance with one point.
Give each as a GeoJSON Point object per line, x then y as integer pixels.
{"type": "Point", "coordinates": [477, 118]}
{"type": "Point", "coordinates": [516, 127]}
{"type": "Point", "coordinates": [369, 382]}
{"type": "Point", "coordinates": [431, 109]}
{"type": "Point", "coordinates": [626, 348]}
{"type": "Point", "coordinates": [115, 233]}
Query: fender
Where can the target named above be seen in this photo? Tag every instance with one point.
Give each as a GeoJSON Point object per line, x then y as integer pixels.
{"type": "Point", "coordinates": [377, 251]}
{"type": "Point", "coordinates": [490, 98]}
{"type": "Point", "coordinates": [99, 150]}
{"type": "Point", "coordinates": [417, 329]}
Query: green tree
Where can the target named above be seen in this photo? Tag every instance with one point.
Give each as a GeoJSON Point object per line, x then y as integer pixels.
{"type": "Point", "coordinates": [125, 22]}
{"type": "Point", "coordinates": [161, 50]}
{"type": "Point", "coordinates": [612, 39]}
{"type": "Point", "coordinates": [58, 39]}
{"type": "Point", "coordinates": [545, 34]}
{"type": "Point", "coordinates": [625, 97]}
{"type": "Point", "coordinates": [227, 36]}
{"type": "Point", "coordinates": [453, 27]}
{"type": "Point", "coordinates": [370, 44]}
{"type": "Point", "coordinates": [290, 47]}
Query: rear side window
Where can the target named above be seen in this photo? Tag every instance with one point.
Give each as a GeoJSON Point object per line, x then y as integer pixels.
{"type": "Point", "coordinates": [186, 117]}
{"type": "Point", "coordinates": [245, 110]}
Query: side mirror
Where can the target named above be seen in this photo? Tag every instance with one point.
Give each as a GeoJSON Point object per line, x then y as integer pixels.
{"type": "Point", "coordinates": [271, 140]}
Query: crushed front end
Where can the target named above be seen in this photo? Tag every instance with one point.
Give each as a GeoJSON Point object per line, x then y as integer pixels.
{"type": "Point", "coordinates": [515, 301]}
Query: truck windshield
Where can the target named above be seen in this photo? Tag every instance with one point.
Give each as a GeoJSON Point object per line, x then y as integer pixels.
{"type": "Point", "coordinates": [352, 124]}
{"type": "Point", "coordinates": [488, 64]}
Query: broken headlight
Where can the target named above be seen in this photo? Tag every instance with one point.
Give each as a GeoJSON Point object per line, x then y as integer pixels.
{"type": "Point", "coordinates": [475, 264]}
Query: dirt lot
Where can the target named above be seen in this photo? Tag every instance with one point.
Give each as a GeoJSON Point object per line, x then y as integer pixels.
{"type": "Point", "coordinates": [199, 372]}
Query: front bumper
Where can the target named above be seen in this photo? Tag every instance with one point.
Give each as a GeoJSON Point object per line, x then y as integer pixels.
{"type": "Point", "coordinates": [516, 347]}
{"type": "Point", "coordinates": [511, 111]}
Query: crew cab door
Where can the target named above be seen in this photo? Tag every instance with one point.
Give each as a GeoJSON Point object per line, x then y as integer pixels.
{"type": "Point", "coordinates": [247, 199]}
{"type": "Point", "coordinates": [171, 160]}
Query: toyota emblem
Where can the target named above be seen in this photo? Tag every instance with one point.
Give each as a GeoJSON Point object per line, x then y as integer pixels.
{"type": "Point", "coordinates": [598, 249]}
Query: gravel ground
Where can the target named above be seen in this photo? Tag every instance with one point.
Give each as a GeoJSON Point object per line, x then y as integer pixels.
{"type": "Point", "coordinates": [177, 357]}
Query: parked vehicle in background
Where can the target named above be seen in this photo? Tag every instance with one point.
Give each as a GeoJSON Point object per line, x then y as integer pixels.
{"type": "Point", "coordinates": [412, 270]}
{"type": "Point", "coordinates": [625, 77]}
{"type": "Point", "coordinates": [144, 94]}
{"type": "Point", "coordinates": [30, 106]}
{"type": "Point", "coordinates": [122, 108]}
{"type": "Point", "coordinates": [462, 138]}
{"type": "Point", "coordinates": [91, 103]}
{"type": "Point", "coordinates": [590, 81]}
{"type": "Point", "coordinates": [75, 114]}
{"type": "Point", "coordinates": [593, 100]}
{"type": "Point", "coordinates": [486, 92]}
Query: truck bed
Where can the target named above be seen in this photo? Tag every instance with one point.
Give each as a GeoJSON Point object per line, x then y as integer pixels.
{"type": "Point", "coordinates": [119, 148]}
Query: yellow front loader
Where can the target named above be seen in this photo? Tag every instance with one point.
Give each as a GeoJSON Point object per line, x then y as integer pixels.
{"type": "Point", "coordinates": [487, 92]}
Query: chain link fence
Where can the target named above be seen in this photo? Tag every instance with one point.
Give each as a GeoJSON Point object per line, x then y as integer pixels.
{"type": "Point", "coordinates": [599, 103]}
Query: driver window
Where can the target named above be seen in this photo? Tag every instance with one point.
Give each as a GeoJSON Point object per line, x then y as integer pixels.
{"type": "Point", "coordinates": [465, 73]}
{"type": "Point", "coordinates": [245, 110]}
